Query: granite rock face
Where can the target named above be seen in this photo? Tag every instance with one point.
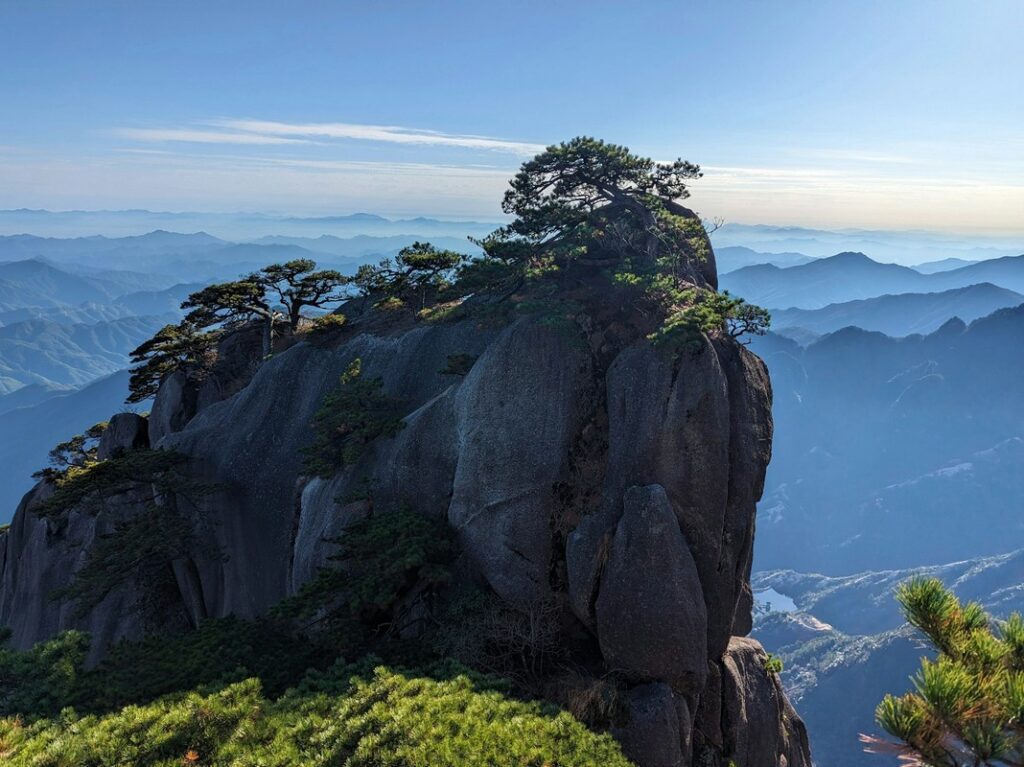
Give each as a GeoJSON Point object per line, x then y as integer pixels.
{"type": "Point", "coordinates": [579, 466]}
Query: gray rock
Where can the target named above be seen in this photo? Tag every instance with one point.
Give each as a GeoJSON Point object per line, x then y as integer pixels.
{"type": "Point", "coordinates": [651, 736]}
{"type": "Point", "coordinates": [125, 431]}
{"type": "Point", "coordinates": [41, 557]}
{"type": "Point", "coordinates": [669, 424]}
{"type": "Point", "coordinates": [750, 450]}
{"type": "Point", "coordinates": [761, 729]}
{"type": "Point", "coordinates": [517, 413]}
{"type": "Point", "coordinates": [173, 406]}
{"type": "Point", "coordinates": [651, 619]}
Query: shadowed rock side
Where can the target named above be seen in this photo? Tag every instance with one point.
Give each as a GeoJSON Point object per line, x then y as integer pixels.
{"type": "Point", "coordinates": [579, 466]}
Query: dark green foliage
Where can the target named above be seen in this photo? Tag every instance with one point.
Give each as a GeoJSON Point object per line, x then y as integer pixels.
{"type": "Point", "coordinates": [273, 296]}
{"type": "Point", "coordinates": [43, 680]}
{"type": "Point", "coordinates": [51, 676]}
{"type": "Point", "coordinates": [418, 273]}
{"type": "Point", "coordinates": [384, 718]}
{"type": "Point", "coordinates": [351, 417]}
{"type": "Point", "coordinates": [76, 453]}
{"type": "Point", "coordinates": [383, 564]}
{"type": "Point", "coordinates": [229, 304]}
{"type": "Point", "coordinates": [139, 550]}
{"type": "Point", "coordinates": [968, 704]}
{"type": "Point", "coordinates": [459, 364]}
{"type": "Point", "coordinates": [585, 198]}
{"type": "Point", "coordinates": [219, 651]}
{"type": "Point", "coordinates": [97, 481]}
{"type": "Point", "coordinates": [297, 284]}
{"type": "Point", "coordinates": [174, 347]}
{"type": "Point", "coordinates": [325, 327]}
{"type": "Point", "coordinates": [695, 311]}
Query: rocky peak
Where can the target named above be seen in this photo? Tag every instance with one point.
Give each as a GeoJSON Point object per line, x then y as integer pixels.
{"type": "Point", "coordinates": [593, 481]}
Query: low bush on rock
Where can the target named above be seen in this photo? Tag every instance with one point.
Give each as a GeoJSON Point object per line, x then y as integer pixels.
{"type": "Point", "coordinates": [350, 418]}
{"type": "Point", "coordinates": [97, 480]}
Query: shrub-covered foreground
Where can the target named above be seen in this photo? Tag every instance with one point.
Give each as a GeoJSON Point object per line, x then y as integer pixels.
{"type": "Point", "coordinates": [378, 718]}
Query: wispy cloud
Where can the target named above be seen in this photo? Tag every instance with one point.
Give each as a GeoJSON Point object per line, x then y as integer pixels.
{"type": "Point", "coordinates": [193, 136]}
{"type": "Point", "coordinates": [390, 134]}
{"type": "Point", "coordinates": [269, 132]}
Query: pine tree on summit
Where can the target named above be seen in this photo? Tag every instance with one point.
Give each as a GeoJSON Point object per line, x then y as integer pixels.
{"type": "Point", "coordinates": [585, 197]}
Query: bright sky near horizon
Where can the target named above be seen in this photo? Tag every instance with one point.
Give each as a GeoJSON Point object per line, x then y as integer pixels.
{"type": "Point", "coordinates": [902, 114]}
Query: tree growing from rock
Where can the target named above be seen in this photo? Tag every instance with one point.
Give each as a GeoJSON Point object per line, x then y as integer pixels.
{"type": "Point", "coordinates": [173, 347]}
{"type": "Point", "coordinates": [417, 274]}
{"type": "Point", "coordinates": [78, 452]}
{"type": "Point", "coordinates": [298, 284]}
{"type": "Point", "coordinates": [586, 198]}
{"type": "Point", "coordinates": [274, 295]}
{"type": "Point", "coordinates": [967, 707]}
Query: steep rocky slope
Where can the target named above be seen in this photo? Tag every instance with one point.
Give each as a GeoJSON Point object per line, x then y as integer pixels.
{"type": "Point", "coordinates": [595, 484]}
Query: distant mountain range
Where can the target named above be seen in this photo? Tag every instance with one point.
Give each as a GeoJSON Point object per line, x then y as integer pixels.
{"type": "Point", "coordinates": [29, 432]}
{"type": "Point", "coordinates": [50, 353]}
{"type": "Point", "coordinates": [904, 247]}
{"type": "Point", "coordinates": [733, 257]}
{"type": "Point", "coordinates": [902, 314]}
{"type": "Point", "coordinates": [111, 264]}
{"type": "Point", "coordinates": [895, 452]}
{"type": "Point", "coordinates": [230, 226]}
{"type": "Point", "coordinates": [854, 276]}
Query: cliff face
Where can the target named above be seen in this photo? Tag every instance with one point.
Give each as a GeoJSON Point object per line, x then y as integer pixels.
{"type": "Point", "coordinates": [579, 466]}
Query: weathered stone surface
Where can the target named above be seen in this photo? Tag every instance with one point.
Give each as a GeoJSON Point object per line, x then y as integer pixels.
{"type": "Point", "coordinates": [750, 449]}
{"type": "Point", "coordinates": [669, 423]}
{"type": "Point", "coordinates": [707, 725]}
{"type": "Point", "coordinates": [651, 619]}
{"type": "Point", "coordinates": [761, 728]}
{"type": "Point", "coordinates": [125, 431]}
{"type": "Point", "coordinates": [586, 552]}
{"type": "Point", "coordinates": [517, 413]}
{"type": "Point", "coordinates": [173, 407]}
{"type": "Point", "coordinates": [651, 736]}
{"type": "Point", "coordinates": [41, 558]}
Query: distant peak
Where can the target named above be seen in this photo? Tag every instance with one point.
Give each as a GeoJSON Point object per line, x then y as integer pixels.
{"type": "Point", "coordinates": [954, 326]}
{"type": "Point", "coordinates": [851, 256]}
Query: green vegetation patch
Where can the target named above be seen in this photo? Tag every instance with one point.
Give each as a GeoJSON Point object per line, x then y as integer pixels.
{"type": "Point", "coordinates": [384, 718]}
{"type": "Point", "coordinates": [381, 561]}
{"type": "Point", "coordinates": [350, 418]}
{"type": "Point", "coordinates": [117, 475]}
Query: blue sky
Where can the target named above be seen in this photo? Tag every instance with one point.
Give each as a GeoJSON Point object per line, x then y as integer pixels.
{"type": "Point", "coordinates": [873, 114]}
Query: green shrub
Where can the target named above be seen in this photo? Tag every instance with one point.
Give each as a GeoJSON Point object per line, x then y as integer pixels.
{"type": "Point", "coordinates": [44, 679]}
{"type": "Point", "coordinates": [381, 719]}
{"type": "Point", "coordinates": [102, 479]}
{"type": "Point", "coordinates": [350, 418]}
{"type": "Point", "coordinates": [381, 561]}
{"type": "Point", "coordinates": [459, 364]}
{"type": "Point", "coordinates": [325, 326]}
{"type": "Point", "coordinates": [773, 664]}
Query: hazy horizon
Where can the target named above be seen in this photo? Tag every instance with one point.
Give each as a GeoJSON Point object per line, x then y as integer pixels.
{"type": "Point", "coordinates": [805, 114]}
